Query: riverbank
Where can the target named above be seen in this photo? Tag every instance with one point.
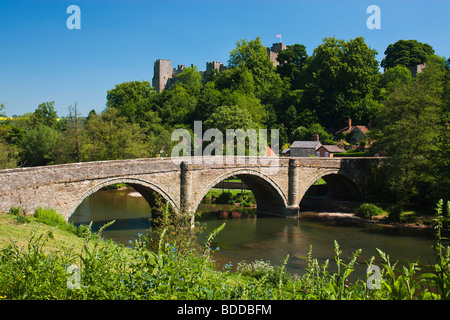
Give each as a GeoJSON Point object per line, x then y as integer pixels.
{"type": "Point", "coordinates": [37, 268]}
{"type": "Point", "coordinates": [424, 222]}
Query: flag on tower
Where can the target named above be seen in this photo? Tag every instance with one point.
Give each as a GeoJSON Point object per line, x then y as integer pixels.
{"type": "Point", "coordinates": [279, 36]}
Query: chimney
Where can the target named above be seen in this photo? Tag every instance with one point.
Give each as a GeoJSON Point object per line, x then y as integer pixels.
{"type": "Point", "coordinates": [316, 137]}
{"type": "Point", "coordinates": [349, 123]}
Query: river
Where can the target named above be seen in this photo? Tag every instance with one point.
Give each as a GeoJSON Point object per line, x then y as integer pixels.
{"type": "Point", "coordinates": [248, 238]}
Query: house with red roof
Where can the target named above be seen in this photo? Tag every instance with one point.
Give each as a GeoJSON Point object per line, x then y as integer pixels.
{"type": "Point", "coordinates": [354, 134]}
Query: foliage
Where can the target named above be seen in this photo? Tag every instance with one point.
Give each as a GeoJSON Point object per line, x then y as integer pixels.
{"type": "Point", "coordinates": [38, 146]}
{"type": "Point", "coordinates": [368, 210]}
{"type": "Point", "coordinates": [110, 271]}
{"type": "Point", "coordinates": [338, 76]}
{"type": "Point", "coordinates": [301, 96]}
{"type": "Point", "coordinates": [406, 53]}
{"type": "Point", "coordinates": [409, 125]}
{"type": "Point", "coordinates": [292, 61]}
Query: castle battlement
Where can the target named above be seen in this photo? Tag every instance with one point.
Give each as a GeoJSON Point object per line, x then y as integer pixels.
{"type": "Point", "coordinates": [163, 74]}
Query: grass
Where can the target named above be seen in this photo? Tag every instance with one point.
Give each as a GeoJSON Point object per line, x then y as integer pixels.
{"type": "Point", "coordinates": [37, 260]}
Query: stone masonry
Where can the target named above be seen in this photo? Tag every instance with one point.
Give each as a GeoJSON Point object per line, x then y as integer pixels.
{"type": "Point", "coordinates": [277, 183]}
{"type": "Point", "coordinates": [164, 75]}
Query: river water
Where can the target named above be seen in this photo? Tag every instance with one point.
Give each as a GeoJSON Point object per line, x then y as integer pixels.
{"type": "Point", "coordinates": [248, 238]}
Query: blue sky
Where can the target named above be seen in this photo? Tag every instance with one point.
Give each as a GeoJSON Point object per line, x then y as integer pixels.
{"type": "Point", "coordinates": [42, 60]}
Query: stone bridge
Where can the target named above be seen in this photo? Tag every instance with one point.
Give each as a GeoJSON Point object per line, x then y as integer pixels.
{"type": "Point", "coordinates": [278, 184]}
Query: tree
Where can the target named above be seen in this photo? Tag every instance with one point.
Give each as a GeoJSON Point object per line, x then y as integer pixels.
{"type": "Point", "coordinates": [407, 53]}
{"type": "Point", "coordinates": [252, 56]}
{"type": "Point", "coordinates": [45, 114]}
{"type": "Point", "coordinates": [210, 98]}
{"type": "Point", "coordinates": [395, 77]}
{"type": "Point", "coordinates": [292, 60]}
{"type": "Point", "coordinates": [307, 134]}
{"type": "Point", "coordinates": [72, 139]}
{"type": "Point", "coordinates": [409, 128]}
{"type": "Point", "coordinates": [2, 107]}
{"type": "Point", "coordinates": [230, 117]}
{"type": "Point", "coordinates": [129, 98]}
{"type": "Point", "coordinates": [38, 146]}
{"type": "Point", "coordinates": [338, 76]}
{"type": "Point", "coordinates": [178, 106]}
{"type": "Point", "coordinates": [190, 79]}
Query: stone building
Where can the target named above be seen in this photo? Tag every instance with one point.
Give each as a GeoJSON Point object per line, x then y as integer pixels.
{"type": "Point", "coordinates": [164, 75]}
{"type": "Point", "coordinates": [417, 69]}
{"type": "Point", "coordinates": [274, 51]}
{"type": "Point", "coordinates": [304, 148]}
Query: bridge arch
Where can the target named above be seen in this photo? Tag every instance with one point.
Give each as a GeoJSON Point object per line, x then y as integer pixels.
{"type": "Point", "coordinates": [270, 198]}
{"type": "Point", "coordinates": [341, 185]}
{"type": "Point", "coordinates": [145, 188]}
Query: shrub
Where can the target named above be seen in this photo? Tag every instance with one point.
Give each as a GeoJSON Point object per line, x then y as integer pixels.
{"type": "Point", "coordinates": [52, 218]}
{"type": "Point", "coordinates": [368, 210]}
{"type": "Point", "coordinates": [395, 213]}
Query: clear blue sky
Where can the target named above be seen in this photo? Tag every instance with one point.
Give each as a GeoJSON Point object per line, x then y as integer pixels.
{"type": "Point", "coordinates": [42, 60]}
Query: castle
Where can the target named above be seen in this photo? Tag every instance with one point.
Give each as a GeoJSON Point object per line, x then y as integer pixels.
{"type": "Point", "coordinates": [164, 75]}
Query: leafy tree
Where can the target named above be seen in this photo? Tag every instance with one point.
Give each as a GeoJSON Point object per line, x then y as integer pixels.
{"type": "Point", "coordinates": [252, 56]}
{"type": "Point", "coordinates": [94, 147]}
{"type": "Point", "coordinates": [338, 76]}
{"type": "Point", "coordinates": [407, 53]}
{"type": "Point", "coordinates": [190, 79]}
{"type": "Point", "coordinates": [38, 145]}
{"type": "Point", "coordinates": [410, 126]}
{"type": "Point", "coordinates": [230, 117]}
{"type": "Point", "coordinates": [395, 77]}
{"type": "Point", "coordinates": [210, 98]}
{"type": "Point", "coordinates": [178, 106]}
{"type": "Point", "coordinates": [292, 60]}
{"type": "Point", "coordinates": [307, 134]}
{"type": "Point", "coordinates": [45, 114]}
{"type": "Point", "coordinates": [2, 107]}
{"type": "Point", "coordinates": [129, 97]}
{"type": "Point", "coordinates": [72, 139]}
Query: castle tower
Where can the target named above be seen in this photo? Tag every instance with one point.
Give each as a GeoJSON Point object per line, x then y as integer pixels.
{"type": "Point", "coordinates": [162, 72]}
{"type": "Point", "coordinates": [274, 51]}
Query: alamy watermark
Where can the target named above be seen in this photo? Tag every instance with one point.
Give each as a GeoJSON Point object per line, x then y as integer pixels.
{"type": "Point", "coordinates": [374, 279]}
{"type": "Point", "coordinates": [374, 20]}
{"type": "Point", "coordinates": [73, 281]}
{"type": "Point", "coordinates": [74, 20]}
{"type": "Point", "coordinates": [238, 146]}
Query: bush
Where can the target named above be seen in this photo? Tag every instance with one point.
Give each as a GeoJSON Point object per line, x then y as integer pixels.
{"type": "Point", "coordinates": [395, 213]}
{"type": "Point", "coordinates": [52, 218]}
{"type": "Point", "coordinates": [368, 210]}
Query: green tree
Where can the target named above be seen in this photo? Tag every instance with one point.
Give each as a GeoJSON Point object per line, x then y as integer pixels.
{"type": "Point", "coordinates": [2, 107]}
{"type": "Point", "coordinates": [71, 140]}
{"type": "Point", "coordinates": [38, 146]}
{"type": "Point", "coordinates": [338, 76]}
{"type": "Point", "coordinates": [210, 98]}
{"type": "Point", "coordinates": [129, 98]}
{"type": "Point", "coordinates": [252, 56]}
{"type": "Point", "coordinates": [94, 147]}
{"type": "Point", "coordinates": [190, 79]}
{"type": "Point", "coordinates": [409, 128]}
{"type": "Point", "coordinates": [395, 77]}
{"type": "Point", "coordinates": [178, 106]}
{"type": "Point", "coordinates": [45, 114]}
{"type": "Point", "coordinates": [407, 53]}
{"type": "Point", "coordinates": [230, 117]}
{"type": "Point", "coordinates": [307, 134]}
{"type": "Point", "coordinates": [292, 61]}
